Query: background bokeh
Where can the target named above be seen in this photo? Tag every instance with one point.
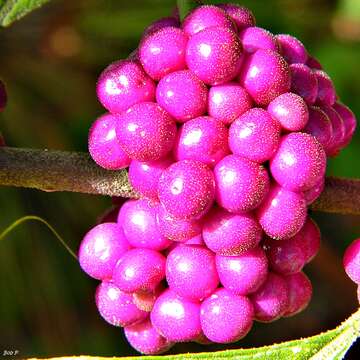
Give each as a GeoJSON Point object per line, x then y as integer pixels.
{"type": "Point", "coordinates": [50, 61]}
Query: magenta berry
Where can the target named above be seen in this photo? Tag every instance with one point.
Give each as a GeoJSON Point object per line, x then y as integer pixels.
{"type": "Point", "coordinates": [349, 121]}
{"type": "Point", "coordinates": [163, 52]}
{"type": "Point", "coordinates": [122, 84]}
{"type": "Point", "coordinates": [176, 318]}
{"type": "Point", "coordinates": [139, 269]}
{"type": "Point", "coordinates": [326, 90]}
{"type": "Point", "coordinates": [159, 24]}
{"type": "Point", "coordinates": [226, 317]}
{"type": "Point", "coordinates": [203, 139]}
{"type": "Point", "coordinates": [290, 110]}
{"type": "Point", "coordinates": [265, 75]}
{"type": "Point", "coordinates": [183, 95]}
{"type": "Point", "coordinates": [116, 306]}
{"type": "Point", "coordinates": [312, 194]}
{"type": "Point", "coordinates": [196, 240]}
{"type": "Point", "coordinates": [191, 272]}
{"type": "Point", "coordinates": [146, 132]}
{"type": "Point", "coordinates": [254, 38]}
{"type": "Point", "coordinates": [228, 101]}
{"type": "Point", "coordinates": [304, 82]}
{"type": "Point", "coordinates": [186, 189]}
{"type": "Point", "coordinates": [245, 273]}
{"type": "Point", "coordinates": [101, 248]}
{"type": "Point", "coordinates": [3, 96]}
{"type": "Point", "coordinates": [230, 234]}
{"type": "Point", "coordinates": [241, 15]}
{"type": "Point", "coordinates": [210, 60]}
{"type": "Point", "coordinates": [255, 135]}
{"type": "Point", "coordinates": [351, 261]}
{"type": "Point", "coordinates": [292, 49]}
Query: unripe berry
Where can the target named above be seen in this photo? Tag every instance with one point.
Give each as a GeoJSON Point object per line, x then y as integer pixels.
{"type": "Point", "coordinates": [241, 15]}
{"type": "Point", "coordinates": [3, 96]}
{"type": "Point", "coordinates": [326, 90]}
{"type": "Point", "coordinates": [304, 82]}
{"type": "Point", "coordinates": [351, 261]}
{"type": "Point", "coordinates": [349, 121]}
{"type": "Point", "coordinates": [292, 49]}
{"type": "Point", "coordinates": [254, 38]}
{"type": "Point", "coordinates": [159, 24]}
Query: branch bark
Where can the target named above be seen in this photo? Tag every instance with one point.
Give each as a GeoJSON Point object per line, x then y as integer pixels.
{"type": "Point", "coordinates": [51, 170]}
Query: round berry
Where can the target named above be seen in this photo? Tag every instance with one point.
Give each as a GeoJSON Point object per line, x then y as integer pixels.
{"type": "Point", "coordinates": [230, 234]}
{"type": "Point", "coordinates": [3, 96]}
{"type": "Point", "coordinates": [186, 189]}
{"type": "Point", "coordinates": [326, 90]}
{"type": "Point", "coordinates": [241, 184]}
{"type": "Point", "coordinates": [146, 132]}
{"type": "Point", "coordinates": [122, 84]}
{"type": "Point", "coordinates": [351, 261]}
{"type": "Point", "coordinates": [241, 15]}
{"type": "Point", "coordinates": [228, 101]}
{"type": "Point", "coordinates": [312, 194]}
{"type": "Point", "coordinates": [191, 272]}
{"type": "Point", "coordinates": [176, 318]}
{"type": "Point", "coordinates": [349, 121]}
{"type": "Point", "coordinates": [265, 75]}
{"type": "Point", "coordinates": [100, 250]}
{"type": "Point", "coordinates": [292, 49]}
{"type": "Point", "coordinates": [183, 95]}
{"type": "Point", "coordinates": [139, 269]}
{"type": "Point", "coordinates": [163, 52]}
{"type": "Point", "coordinates": [159, 24]}
{"type": "Point", "coordinates": [226, 317]}
{"type": "Point", "coordinates": [203, 139]}
{"type": "Point", "coordinates": [254, 38]}
{"type": "Point", "coordinates": [245, 273]}
{"type": "Point", "coordinates": [117, 307]}
{"type": "Point", "coordinates": [304, 82]}
{"type": "Point", "coordinates": [313, 63]}
{"type": "Point", "coordinates": [214, 55]}
{"type": "Point", "coordinates": [255, 135]}
{"type": "Point", "coordinates": [299, 163]}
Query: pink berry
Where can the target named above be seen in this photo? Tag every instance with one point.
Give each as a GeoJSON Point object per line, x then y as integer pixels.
{"type": "Point", "coordinates": [292, 49]}
{"type": "Point", "coordinates": [196, 240]}
{"type": "Point", "coordinates": [101, 248]}
{"type": "Point", "coordinates": [254, 38]}
{"type": "Point", "coordinates": [255, 135]}
{"type": "Point", "coordinates": [313, 63]}
{"type": "Point", "coordinates": [176, 318]}
{"type": "Point", "coordinates": [312, 194]}
{"type": "Point", "coordinates": [228, 101]}
{"type": "Point", "coordinates": [326, 90]}
{"type": "Point", "coordinates": [103, 145]}
{"type": "Point", "coordinates": [211, 60]}
{"type": "Point", "coordinates": [351, 261]}
{"type": "Point", "coordinates": [290, 110]}
{"type": "Point", "coordinates": [230, 234]}
{"type": "Point", "coordinates": [241, 15]}
{"type": "Point", "coordinates": [144, 176]}
{"type": "Point", "coordinates": [300, 292]}
{"type": "Point", "coordinates": [116, 306]}
{"type": "Point", "coordinates": [241, 184]}
{"type": "Point", "coordinates": [271, 301]}
{"type": "Point", "coordinates": [183, 95]}
{"type": "Point", "coordinates": [304, 82]}
{"type": "Point", "coordinates": [146, 132]}
{"type": "Point", "coordinates": [186, 189]}
{"type": "Point", "coordinates": [204, 17]}
{"type": "Point", "coordinates": [139, 269]}
{"type": "Point", "coordinates": [138, 219]}
{"type": "Point", "coordinates": [191, 272]}
{"type": "Point", "coordinates": [122, 84]}
{"type": "Point", "coordinates": [245, 273]}
{"type": "Point", "coordinates": [159, 24]}
{"type": "Point", "coordinates": [282, 214]}
{"type": "Point", "coordinates": [265, 75]}
{"type": "Point", "coordinates": [299, 163]}
{"type": "Point", "coordinates": [203, 139]}
{"type": "Point", "coordinates": [163, 52]}
{"type": "Point", "coordinates": [145, 339]}
{"type": "Point", "coordinates": [349, 120]}
{"type": "Point", "coordinates": [226, 317]}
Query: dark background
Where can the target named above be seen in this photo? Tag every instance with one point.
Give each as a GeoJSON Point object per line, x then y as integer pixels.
{"type": "Point", "coordinates": [50, 61]}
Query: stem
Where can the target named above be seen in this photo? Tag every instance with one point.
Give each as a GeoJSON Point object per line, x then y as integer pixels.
{"type": "Point", "coordinates": [51, 170]}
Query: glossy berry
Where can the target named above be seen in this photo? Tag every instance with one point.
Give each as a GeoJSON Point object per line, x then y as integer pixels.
{"type": "Point", "coordinates": [351, 261]}
{"type": "Point", "coordinates": [228, 101]}
{"type": "Point", "coordinates": [290, 110]}
{"type": "Point", "coordinates": [163, 52]}
{"type": "Point", "coordinates": [292, 49]}
{"type": "Point", "coordinates": [146, 132]}
{"type": "Point", "coordinates": [176, 318]}
{"type": "Point", "coordinates": [186, 189]}
{"type": "Point", "coordinates": [191, 272]}
{"type": "Point", "coordinates": [100, 250]}
{"type": "Point", "coordinates": [254, 38]}
{"type": "Point", "coordinates": [326, 90]}
{"type": "Point", "coordinates": [230, 234]}
{"type": "Point", "coordinates": [349, 121]}
{"type": "Point", "coordinates": [312, 194]}
{"type": "Point", "coordinates": [3, 96]}
{"type": "Point", "coordinates": [271, 301]}
{"type": "Point", "coordinates": [210, 60]}
{"type": "Point", "coordinates": [241, 15]}
{"type": "Point", "coordinates": [226, 317]}
{"type": "Point", "coordinates": [182, 95]}
{"type": "Point", "coordinates": [245, 273]}
{"type": "Point", "coordinates": [304, 82]}
{"type": "Point", "coordinates": [122, 84]}
{"type": "Point", "coordinates": [139, 269]}
{"type": "Point", "coordinates": [265, 75]}
{"type": "Point", "coordinates": [299, 163]}
{"type": "Point", "coordinates": [116, 306]}
{"type": "Point", "coordinates": [203, 139]}
{"type": "Point", "coordinates": [104, 147]}
{"type": "Point", "coordinates": [159, 24]}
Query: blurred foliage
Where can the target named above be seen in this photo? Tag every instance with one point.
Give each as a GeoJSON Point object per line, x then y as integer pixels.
{"type": "Point", "coordinates": [50, 61]}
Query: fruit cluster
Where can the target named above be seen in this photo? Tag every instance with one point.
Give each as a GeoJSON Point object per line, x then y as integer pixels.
{"type": "Point", "coordinates": [226, 130]}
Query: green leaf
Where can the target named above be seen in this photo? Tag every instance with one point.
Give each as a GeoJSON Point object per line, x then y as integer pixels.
{"type": "Point", "coordinates": [12, 10]}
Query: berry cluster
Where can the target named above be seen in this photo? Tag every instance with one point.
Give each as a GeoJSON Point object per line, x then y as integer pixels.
{"type": "Point", "coordinates": [226, 129]}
